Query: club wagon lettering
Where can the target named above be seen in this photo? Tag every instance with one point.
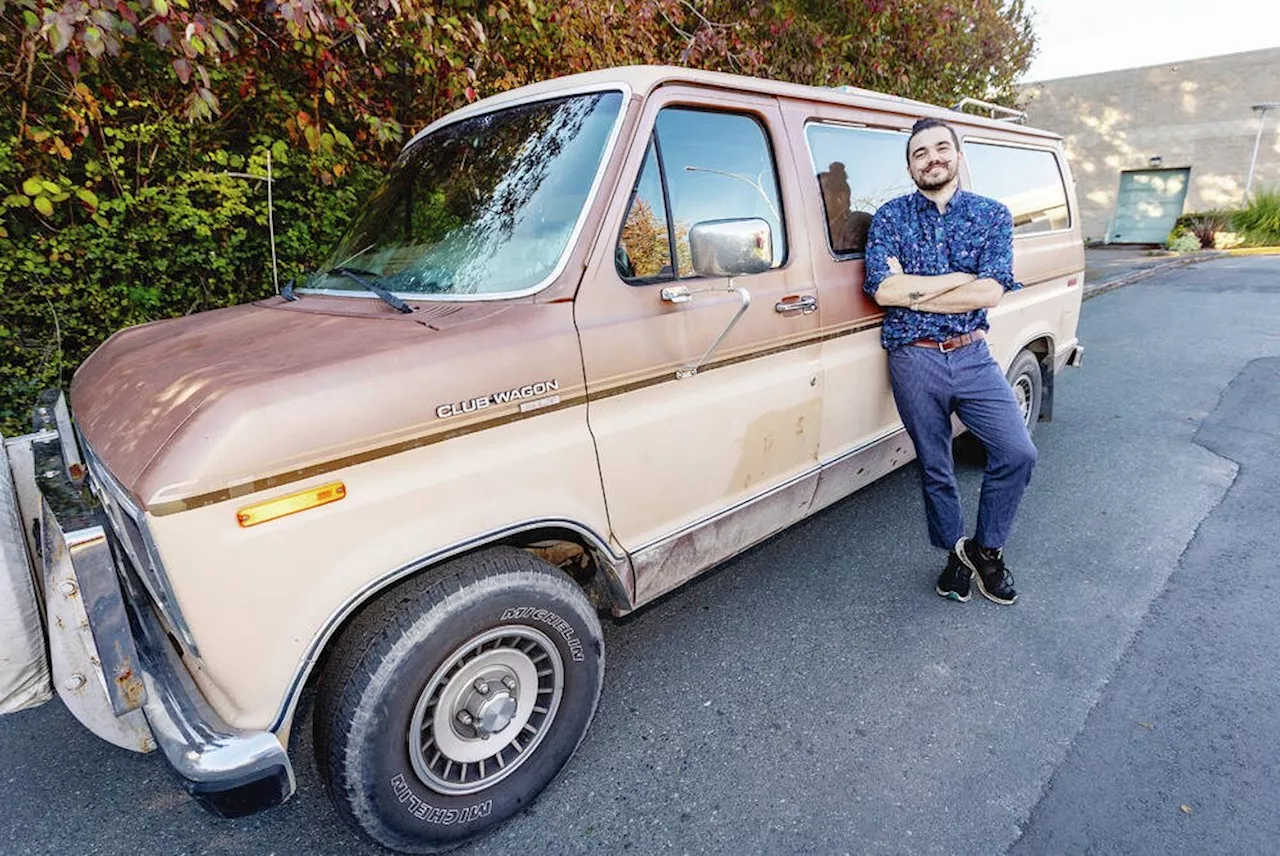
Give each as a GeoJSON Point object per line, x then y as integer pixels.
{"type": "Point", "coordinates": [709, 370]}
{"type": "Point", "coordinates": [531, 390]}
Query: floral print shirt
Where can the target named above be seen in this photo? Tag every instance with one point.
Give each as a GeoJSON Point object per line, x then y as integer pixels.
{"type": "Point", "coordinates": [974, 235]}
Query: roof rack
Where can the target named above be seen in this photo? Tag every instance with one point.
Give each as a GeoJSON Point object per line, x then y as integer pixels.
{"type": "Point", "coordinates": [996, 111]}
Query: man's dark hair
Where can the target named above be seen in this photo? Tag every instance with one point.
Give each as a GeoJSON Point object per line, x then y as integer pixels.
{"type": "Point", "coordinates": [926, 124]}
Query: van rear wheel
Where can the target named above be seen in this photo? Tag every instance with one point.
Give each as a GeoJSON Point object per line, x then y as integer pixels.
{"type": "Point", "coordinates": [1028, 387]}
{"type": "Point", "coordinates": [452, 700]}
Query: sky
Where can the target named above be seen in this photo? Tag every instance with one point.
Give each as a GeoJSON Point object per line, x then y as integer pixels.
{"type": "Point", "coordinates": [1090, 36]}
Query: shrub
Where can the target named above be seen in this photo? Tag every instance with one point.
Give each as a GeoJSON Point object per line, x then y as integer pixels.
{"type": "Point", "coordinates": [1260, 220]}
{"type": "Point", "coordinates": [1205, 225]}
{"type": "Point", "coordinates": [1185, 243]}
{"type": "Point", "coordinates": [197, 241]}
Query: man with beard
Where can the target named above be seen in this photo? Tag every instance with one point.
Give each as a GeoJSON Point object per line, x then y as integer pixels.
{"type": "Point", "coordinates": [937, 259]}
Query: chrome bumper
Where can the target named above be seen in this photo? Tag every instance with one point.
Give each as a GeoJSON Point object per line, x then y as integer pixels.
{"type": "Point", "coordinates": [1071, 355]}
{"type": "Point", "coordinates": [116, 668]}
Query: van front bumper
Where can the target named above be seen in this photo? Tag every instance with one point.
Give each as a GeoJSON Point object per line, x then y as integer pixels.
{"type": "Point", "coordinates": [116, 667]}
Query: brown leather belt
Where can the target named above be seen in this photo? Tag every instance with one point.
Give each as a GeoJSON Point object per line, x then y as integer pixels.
{"type": "Point", "coordinates": [952, 343]}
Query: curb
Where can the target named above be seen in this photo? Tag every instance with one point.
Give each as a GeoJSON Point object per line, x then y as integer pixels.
{"type": "Point", "coordinates": [1254, 251]}
{"type": "Point", "coordinates": [1129, 278]}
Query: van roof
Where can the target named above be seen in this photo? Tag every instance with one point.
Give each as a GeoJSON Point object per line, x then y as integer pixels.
{"type": "Point", "coordinates": [643, 79]}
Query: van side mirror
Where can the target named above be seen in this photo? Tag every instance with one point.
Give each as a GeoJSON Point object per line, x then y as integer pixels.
{"type": "Point", "coordinates": [731, 247]}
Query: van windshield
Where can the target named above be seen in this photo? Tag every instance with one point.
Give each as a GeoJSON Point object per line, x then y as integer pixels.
{"type": "Point", "coordinates": [483, 206]}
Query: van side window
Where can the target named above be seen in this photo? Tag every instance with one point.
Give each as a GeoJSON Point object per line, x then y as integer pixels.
{"type": "Point", "coordinates": [1026, 180]}
{"type": "Point", "coordinates": [858, 170]}
{"type": "Point", "coordinates": [712, 166]}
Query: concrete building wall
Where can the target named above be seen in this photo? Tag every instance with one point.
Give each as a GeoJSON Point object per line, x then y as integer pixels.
{"type": "Point", "coordinates": [1192, 114]}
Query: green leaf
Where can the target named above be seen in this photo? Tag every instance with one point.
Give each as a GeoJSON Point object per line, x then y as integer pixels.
{"type": "Point", "coordinates": [161, 7]}
{"type": "Point", "coordinates": [17, 200]}
{"type": "Point", "coordinates": [44, 206]}
{"type": "Point", "coordinates": [87, 196]}
{"type": "Point", "coordinates": [49, 187]}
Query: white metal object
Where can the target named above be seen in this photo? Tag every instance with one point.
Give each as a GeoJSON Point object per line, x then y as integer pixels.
{"type": "Point", "coordinates": [1253, 162]}
{"type": "Point", "coordinates": [1008, 114]}
{"type": "Point", "coordinates": [24, 670]}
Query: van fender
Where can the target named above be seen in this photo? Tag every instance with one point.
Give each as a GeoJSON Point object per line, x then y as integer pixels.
{"type": "Point", "coordinates": [613, 575]}
{"type": "Point", "coordinates": [1040, 340]}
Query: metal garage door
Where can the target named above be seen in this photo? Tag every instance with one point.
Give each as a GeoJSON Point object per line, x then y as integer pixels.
{"type": "Point", "coordinates": [1149, 205]}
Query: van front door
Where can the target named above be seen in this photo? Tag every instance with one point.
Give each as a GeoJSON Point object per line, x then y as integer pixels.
{"type": "Point", "coordinates": [699, 466]}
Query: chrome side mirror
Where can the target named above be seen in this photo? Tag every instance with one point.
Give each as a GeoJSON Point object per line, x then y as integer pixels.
{"type": "Point", "coordinates": [731, 247]}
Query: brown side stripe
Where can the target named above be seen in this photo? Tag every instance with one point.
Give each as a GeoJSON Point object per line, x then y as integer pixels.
{"type": "Point", "coordinates": [246, 488]}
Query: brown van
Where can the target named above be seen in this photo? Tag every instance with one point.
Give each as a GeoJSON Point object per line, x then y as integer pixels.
{"type": "Point", "coordinates": [590, 338]}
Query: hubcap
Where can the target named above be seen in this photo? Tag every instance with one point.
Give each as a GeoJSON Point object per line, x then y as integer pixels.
{"type": "Point", "coordinates": [1022, 393]}
{"type": "Point", "coordinates": [485, 710]}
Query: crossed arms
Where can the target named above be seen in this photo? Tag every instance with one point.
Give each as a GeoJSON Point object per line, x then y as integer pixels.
{"type": "Point", "coordinates": [949, 293]}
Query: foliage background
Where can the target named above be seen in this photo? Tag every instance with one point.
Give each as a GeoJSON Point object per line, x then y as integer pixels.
{"type": "Point", "coordinates": [134, 133]}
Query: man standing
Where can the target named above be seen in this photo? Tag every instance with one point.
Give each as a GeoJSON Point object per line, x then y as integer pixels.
{"type": "Point", "coordinates": [936, 260]}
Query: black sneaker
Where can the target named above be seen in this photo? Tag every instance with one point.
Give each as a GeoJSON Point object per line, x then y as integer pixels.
{"type": "Point", "coordinates": [994, 580]}
{"type": "Point", "coordinates": [953, 582]}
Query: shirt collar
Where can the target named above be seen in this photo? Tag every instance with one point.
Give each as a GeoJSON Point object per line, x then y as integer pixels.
{"type": "Point", "coordinates": [958, 200]}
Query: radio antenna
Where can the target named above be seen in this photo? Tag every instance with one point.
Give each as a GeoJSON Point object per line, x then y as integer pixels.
{"type": "Point", "coordinates": [271, 227]}
{"type": "Point", "coordinates": [271, 222]}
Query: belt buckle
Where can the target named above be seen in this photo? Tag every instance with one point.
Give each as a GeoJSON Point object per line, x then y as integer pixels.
{"type": "Point", "coordinates": [942, 345]}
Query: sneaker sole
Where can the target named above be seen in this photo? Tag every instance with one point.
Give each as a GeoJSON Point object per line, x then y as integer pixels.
{"type": "Point", "coordinates": [952, 595]}
{"type": "Point", "coordinates": [977, 577]}
{"type": "Point", "coordinates": [991, 597]}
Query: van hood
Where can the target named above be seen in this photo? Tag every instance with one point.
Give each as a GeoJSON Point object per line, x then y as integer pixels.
{"type": "Point", "coordinates": [235, 400]}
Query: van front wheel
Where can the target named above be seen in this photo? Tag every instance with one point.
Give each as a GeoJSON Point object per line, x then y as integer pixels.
{"type": "Point", "coordinates": [1028, 387]}
{"type": "Point", "coordinates": [452, 700]}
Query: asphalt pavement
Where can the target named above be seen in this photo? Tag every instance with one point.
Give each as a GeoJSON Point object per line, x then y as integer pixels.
{"type": "Point", "coordinates": [815, 695]}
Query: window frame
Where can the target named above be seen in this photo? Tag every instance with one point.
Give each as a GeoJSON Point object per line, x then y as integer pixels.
{"type": "Point", "coordinates": [1057, 163]}
{"type": "Point", "coordinates": [765, 132]}
{"type": "Point", "coordinates": [652, 143]}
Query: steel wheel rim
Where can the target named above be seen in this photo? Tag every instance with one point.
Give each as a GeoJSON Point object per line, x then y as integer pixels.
{"type": "Point", "coordinates": [1022, 393]}
{"type": "Point", "coordinates": [453, 756]}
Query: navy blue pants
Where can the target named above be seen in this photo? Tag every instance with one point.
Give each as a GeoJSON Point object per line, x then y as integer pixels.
{"type": "Point", "coordinates": [928, 386]}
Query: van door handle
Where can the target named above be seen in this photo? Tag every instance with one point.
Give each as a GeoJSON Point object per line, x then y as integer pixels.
{"type": "Point", "coordinates": [791, 304]}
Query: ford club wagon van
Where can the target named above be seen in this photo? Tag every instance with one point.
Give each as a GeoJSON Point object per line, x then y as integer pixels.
{"type": "Point", "coordinates": [590, 338]}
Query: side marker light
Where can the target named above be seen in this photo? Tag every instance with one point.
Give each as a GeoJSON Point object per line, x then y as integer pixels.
{"type": "Point", "coordinates": [281, 506]}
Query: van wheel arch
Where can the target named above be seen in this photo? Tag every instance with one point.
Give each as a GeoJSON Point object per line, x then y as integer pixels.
{"type": "Point", "coordinates": [1042, 350]}
{"type": "Point", "coordinates": [421, 663]}
{"type": "Point", "coordinates": [571, 551]}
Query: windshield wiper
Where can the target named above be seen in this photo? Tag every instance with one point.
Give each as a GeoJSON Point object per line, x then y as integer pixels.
{"type": "Point", "coordinates": [357, 275]}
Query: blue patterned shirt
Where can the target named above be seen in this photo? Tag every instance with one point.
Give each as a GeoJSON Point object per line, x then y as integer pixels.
{"type": "Point", "coordinates": [975, 236]}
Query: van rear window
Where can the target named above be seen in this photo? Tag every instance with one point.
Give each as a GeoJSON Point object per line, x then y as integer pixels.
{"type": "Point", "coordinates": [1026, 180]}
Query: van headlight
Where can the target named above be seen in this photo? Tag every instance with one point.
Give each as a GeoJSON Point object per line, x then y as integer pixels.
{"type": "Point", "coordinates": [130, 526]}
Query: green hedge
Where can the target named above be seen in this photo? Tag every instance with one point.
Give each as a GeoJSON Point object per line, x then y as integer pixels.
{"type": "Point", "coordinates": [196, 241]}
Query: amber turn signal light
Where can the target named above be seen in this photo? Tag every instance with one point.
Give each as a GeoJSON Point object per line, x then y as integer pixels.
{"type": "Point", "coordinates": [291, 504]}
